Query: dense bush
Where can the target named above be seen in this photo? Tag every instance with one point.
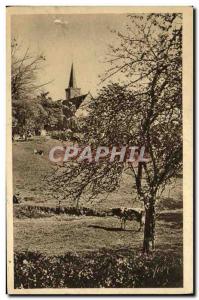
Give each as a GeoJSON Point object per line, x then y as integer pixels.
{"type": "Point", "coordinates": [99, 269]}
{"type": "Point", "coordinates": [30, 211]}
{"type": "Point", "coordinates": [66, 135]}
{"type": "Point", "coordinates": [61, 135]}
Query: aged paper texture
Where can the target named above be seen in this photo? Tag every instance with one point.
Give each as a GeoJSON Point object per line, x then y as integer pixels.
{"type": "Point", "coordinates": [99, 150]}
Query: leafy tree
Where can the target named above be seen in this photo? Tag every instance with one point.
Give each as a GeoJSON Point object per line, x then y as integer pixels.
{"type": "Point", "coordinates": [145, 110]}
{"type": "Point", "coordinates": [54, 111]}
{"type": "Point", "coordinates": [28, 116]}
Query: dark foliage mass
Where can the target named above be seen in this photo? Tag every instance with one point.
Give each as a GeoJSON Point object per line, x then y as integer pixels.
{"type": "Point", "coordinates": [33, 114]}
{"type": "Point", "coordinates": [110, 269]}
{"type": "Point", "coordinates": [31, 211]}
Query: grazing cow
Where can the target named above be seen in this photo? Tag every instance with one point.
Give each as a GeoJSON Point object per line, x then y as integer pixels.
{"type": "Point", "coordinates": [40, 152]}
{"type": "Point", "coordinates": [129, 214]}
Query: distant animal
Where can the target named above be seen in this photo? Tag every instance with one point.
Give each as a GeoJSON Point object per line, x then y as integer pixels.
{"type": "Point", "coordinates": [15, 199]}
{"type": "Point", "coordinates": [40, 152]}
{"type": "Point", "coordinates": [59, 209]}
{"type": "Point", "coordinates": [16, 137]}
{"type": "Point", "coordinates": [29, 134]}
{"type": "Point", "coordinates": [129, 214]}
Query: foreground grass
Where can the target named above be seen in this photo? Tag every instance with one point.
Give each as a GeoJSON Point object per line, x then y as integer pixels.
{"type": "Point", "coordinates": [57, 235]}
{"type": "Point", "coordinates": [98, 269]}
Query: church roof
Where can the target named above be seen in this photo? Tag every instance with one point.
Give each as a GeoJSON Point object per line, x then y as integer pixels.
{"type": "Point", "coordinates": [77, 101]}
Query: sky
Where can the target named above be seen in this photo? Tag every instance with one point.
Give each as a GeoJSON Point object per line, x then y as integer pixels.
{"type": "Point", "coordinates": [79, 38]}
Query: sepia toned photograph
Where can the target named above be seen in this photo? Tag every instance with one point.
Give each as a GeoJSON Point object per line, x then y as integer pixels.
{"type": "Point", "coordinates": [99, 150]}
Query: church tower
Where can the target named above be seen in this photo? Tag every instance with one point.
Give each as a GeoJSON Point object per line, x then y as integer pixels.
{"type": "Point", "coordinates": [72, 91]}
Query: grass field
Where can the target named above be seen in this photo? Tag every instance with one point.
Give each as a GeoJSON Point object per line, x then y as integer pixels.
{"type": "Point", "coordinates": [29, 171]}
{"type": "Point", "coordinates": [57, 235]}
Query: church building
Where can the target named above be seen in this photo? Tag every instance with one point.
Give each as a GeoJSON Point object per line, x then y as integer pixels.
{"type": "Point", "coordinates": [75, 102]}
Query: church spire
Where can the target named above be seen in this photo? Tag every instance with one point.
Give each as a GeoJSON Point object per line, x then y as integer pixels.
{"type": "Point", "coordinates": [72, 90]}
{"type": "Point", "coordinates": [72, 80]}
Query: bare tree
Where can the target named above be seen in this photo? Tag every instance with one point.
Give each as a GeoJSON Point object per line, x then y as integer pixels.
{"type": "Point", "coordinates": [25, 68]}
{"type": "Point", "coordinates": [146, 110]}
{"type": "Point", "coordinates": [24, 71]}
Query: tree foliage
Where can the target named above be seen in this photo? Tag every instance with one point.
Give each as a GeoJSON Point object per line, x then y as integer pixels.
{"type": "Point", "coordinates": [28, 116]}
{"type": "Point", "coordinates": [54, 111]}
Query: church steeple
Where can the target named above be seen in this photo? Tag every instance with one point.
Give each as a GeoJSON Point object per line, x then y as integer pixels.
{"type": "Point", "coordinates": [72, 91]}
{"type": "Point", "coordinates": [72, 80]}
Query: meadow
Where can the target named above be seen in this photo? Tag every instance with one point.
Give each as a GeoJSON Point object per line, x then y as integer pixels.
{"type": "Point", "coordinates": [49, 237]}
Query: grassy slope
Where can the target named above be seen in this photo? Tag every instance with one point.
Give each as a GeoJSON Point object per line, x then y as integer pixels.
{"type": "Point", "coordinates": [29, 171]}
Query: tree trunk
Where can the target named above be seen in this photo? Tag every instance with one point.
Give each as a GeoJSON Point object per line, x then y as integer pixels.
{"type": "Point", "coordinates": [149, 228]}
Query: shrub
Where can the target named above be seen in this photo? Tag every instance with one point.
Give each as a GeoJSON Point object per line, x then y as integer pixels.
{"type": "Point", "coordinates": [32, 211]}
{"type": "Point", "coordinates": [60, 135]}
{"type": "Point", "coordinates": [98, 269]}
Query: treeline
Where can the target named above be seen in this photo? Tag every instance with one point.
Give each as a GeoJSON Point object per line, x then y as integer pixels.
{"type": "Point", "coordinates": [34, 114]}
